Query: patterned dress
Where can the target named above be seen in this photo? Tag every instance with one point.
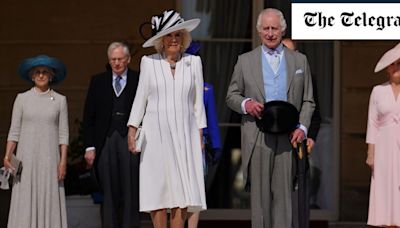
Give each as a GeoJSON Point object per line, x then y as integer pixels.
{"type": "Point", "coordinates": [39, 125]}
{"type": "Point", "coordinates": [384, 132]}
{"type": "Point", "coordinates": [171, 110]}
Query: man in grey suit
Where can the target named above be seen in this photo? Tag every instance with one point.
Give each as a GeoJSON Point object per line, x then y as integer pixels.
{"type": "Point", "coordinates": [270, 72]}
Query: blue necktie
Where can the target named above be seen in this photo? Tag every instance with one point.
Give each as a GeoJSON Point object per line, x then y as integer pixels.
{"type": "Point", "coordinates": [117, 84]}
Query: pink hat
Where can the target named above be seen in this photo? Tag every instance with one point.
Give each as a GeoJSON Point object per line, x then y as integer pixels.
{"type": "Point", "coordinates": [388, 58]}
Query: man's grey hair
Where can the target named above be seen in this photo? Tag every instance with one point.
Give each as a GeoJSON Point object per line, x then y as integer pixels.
{"type": "Point", "coordinates": [115, 45]}
{"type": "Point", "coordinates": [272, 11]}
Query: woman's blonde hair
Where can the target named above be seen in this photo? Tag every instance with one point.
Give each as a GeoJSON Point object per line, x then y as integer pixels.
{"type": "Point", "coordinates": [186, 40]}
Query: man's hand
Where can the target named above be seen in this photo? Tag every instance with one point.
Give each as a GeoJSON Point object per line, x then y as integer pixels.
{"type": "Point", "coordinates": [254, 108]}
{"type": "Point", "coordinates": [297, 136]}
{"type": "Point", "coordinates": [310, 145]}
{"type": "Point", "coordinates": [90, 155]}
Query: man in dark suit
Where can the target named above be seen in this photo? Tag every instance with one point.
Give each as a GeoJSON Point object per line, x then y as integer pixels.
{"type": "Point", "coordinates": [107, 108]}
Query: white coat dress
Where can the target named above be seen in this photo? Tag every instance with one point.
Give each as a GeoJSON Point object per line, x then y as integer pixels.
{"type": "Point", "coordinates": [171, 111]}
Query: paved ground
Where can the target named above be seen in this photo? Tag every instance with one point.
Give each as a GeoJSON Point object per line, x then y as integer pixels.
{"type": "Point", "coordinates": [4, 200]}
{"type": "Point", "coordinates": [348, 225]}
{"type": "Point", "coordinates": [147, 224]}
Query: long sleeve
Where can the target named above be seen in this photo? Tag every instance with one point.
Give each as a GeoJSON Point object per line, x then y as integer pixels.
{"type": "Point", "coordinates": [212, 120]}
{"type": "Point", "coordinates": [63, 128]}
{"type": "Point", "coordinates": [198, 103]}
{"type": "Point", "coordinates": [308, 104]}
{"type": "Point", "coordinates": [140, 102]}
{"type": "Point", "coordinates": [16, 120]}
{"type": "Point", "coordinates": [372, 125]}
{"type": "Point", "coordinates": [89, 116]}
{"type": "Point", "coordinates": [235, 94]}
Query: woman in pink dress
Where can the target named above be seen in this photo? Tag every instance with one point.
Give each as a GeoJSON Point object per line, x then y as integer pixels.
{"type": "Point", "coordinates": [383, 139]}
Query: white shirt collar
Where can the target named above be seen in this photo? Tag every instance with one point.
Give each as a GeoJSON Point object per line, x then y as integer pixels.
{"type": "Point", "coordinates": [123, 75]}
{"type": "Point", "coordinates": [279, 49]}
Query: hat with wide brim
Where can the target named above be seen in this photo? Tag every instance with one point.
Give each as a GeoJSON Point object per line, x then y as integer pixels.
{"type": "Point", "coordinates": [278, 117]}
{"type": "Point", "coordinates": [388, 58]}
{"type": "Point", "coordinates": [169, 21]}
{"type": "Point", "coordinates": [56, 65]}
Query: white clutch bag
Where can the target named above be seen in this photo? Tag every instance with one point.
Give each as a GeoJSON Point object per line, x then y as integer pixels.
{"type": "Point", "coordinates": [139, 138]}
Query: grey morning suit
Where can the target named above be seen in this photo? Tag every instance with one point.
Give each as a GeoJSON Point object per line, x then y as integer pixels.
{"type": "Point", "coordinates": [266, 158]}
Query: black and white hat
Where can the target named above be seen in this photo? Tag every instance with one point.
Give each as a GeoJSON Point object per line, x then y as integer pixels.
{"type": "Point", "coordinates": [168, 22]}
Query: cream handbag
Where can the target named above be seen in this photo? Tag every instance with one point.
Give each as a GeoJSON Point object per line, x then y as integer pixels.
{"type": "Point", "coordinates": [139, 139]}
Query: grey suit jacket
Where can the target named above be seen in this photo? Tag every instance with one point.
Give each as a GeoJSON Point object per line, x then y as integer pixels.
{"type": "Point", "coordinates": [247, 82]}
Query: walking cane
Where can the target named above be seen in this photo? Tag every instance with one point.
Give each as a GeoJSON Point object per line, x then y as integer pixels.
{"type": "Point", "coordinates": [301, 184]}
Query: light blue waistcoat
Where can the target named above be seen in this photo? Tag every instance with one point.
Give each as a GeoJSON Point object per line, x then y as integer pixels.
{"type": "Point", "coordinates": [274, 83]}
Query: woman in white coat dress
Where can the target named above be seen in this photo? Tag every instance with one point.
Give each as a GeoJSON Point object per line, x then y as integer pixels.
{"type": "Point", "coordinates": [169, 105]}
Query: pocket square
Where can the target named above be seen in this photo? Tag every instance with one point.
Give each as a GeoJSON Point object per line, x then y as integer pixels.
{"type": "Point", "coordinates": [299, 71]}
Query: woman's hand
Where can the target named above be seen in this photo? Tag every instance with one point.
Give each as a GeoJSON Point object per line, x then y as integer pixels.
{"type": "Point", "coordinates": [61, 171]}
{"type": "Point", "coordinates": [62, 166]}
{"type": "Point", "coordinates": [131, 140]}
{"type": "Point", "coordinates": [370, 160]}
{"type": "Point", "coordinates": [10, 148]}
{"type": "Point", "coordinates": [201, 140]}
{"type": "Point", "coordinates": [7, 164]}
{"type": "Point", "coordinates": [370, 156]}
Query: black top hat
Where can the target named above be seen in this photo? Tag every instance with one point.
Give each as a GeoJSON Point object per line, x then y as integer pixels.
{"type": "Point", "coordinates": [278, 117]}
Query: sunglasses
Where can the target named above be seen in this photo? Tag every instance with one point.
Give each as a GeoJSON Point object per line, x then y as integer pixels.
{"type": "Point", "coordinates": [39, 72]}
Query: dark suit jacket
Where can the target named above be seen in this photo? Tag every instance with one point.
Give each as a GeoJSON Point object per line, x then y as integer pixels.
{"type": "Point", "coordinates": [99, 106]}
{"type": "Point", "coordinates": [316, 117]}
